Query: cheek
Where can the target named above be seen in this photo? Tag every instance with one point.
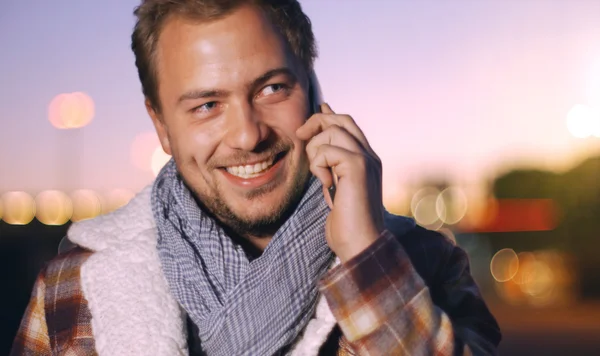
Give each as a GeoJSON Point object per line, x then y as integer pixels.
{"type": "Point", "coordinates": [196, 144]}
{"type": "Point", "coordinates": [289, 117]}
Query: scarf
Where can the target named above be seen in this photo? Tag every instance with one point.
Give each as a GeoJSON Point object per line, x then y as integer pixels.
{"type": "Point", "coordinates": [240, 306]}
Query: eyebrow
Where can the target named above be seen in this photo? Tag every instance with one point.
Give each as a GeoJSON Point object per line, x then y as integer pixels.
{"type": "Point", "coordinates": [202, 94]}
{"type": "Point", "coordinates": [216, 93]}
{"type": "Point", "coordinates": [261, 80]}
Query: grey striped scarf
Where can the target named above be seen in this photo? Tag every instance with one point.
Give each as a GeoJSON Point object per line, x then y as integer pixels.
{"type": "Point", "coordinates": [240, 307]}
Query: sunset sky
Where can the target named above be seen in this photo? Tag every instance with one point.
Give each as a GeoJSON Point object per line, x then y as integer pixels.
{"type": "Point", "coordinates": [462, 89]}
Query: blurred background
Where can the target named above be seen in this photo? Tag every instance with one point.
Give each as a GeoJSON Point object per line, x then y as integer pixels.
{"type": "Point", "coordinates": [486, 115]}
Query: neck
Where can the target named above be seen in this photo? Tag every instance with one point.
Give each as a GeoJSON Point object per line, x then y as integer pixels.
{"type": "Point", "coordinates": [255, 241]}
{"type": "Point", "coordinates": [253, 246]}
{"type": "Point", "coordinates": [260, 242]}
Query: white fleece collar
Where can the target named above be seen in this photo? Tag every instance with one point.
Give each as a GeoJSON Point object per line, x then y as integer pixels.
{"type": "Point", "coordinates": [133, 311]}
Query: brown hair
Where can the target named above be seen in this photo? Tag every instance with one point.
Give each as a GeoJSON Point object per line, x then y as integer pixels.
{"type": "Point", "coordinates": [286, 15]}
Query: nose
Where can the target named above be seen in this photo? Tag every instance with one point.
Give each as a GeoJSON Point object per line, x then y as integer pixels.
{"type": "Point", "coordinates": [244, 128]}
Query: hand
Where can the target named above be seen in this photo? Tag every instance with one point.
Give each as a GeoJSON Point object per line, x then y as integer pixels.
{"type": "Point", "coordinates": [338, 145]}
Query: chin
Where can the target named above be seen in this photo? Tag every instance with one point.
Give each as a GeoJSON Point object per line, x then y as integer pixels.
{"type": "Point", "coordinates": [258, 215]}
{"type": "Point", "coordinates": [262, 213]}
{"type": "Point", "coordinates": [259, 210]}
{"type": "Point", "coordinates": [261, 203]}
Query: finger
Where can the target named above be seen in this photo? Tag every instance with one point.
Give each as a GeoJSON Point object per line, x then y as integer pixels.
{"type": "Point", "coordinates": [335, 136]}
{"type": "Point", "coordinates": [326, 109]}
{"type": "Point", "coordinates": [321, 121]}
{"type": "Point", "coordinates": [339, 161]}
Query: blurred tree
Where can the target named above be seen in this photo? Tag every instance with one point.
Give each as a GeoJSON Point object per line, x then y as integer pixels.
{"type": "Point", "coordinates": [582, 220]}
{"type": "Point", "coordinates": [577, 194]}
{"type": "Point", "coordinates": [527, 184]}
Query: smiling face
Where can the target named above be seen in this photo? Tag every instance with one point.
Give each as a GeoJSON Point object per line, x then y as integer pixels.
{"type": "Point", "coordinates": [232, 96]}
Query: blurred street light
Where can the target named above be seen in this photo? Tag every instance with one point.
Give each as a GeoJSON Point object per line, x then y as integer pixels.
{"type": "Point", "coordinates": [86, 205]}
{"type": "Point", "coordinates": [504, 265]}
{"type": "Point", "coordinates": [18, 208]}
{"type": "Point", "coordinates": [142, 148]}
{"type": "Point", "coordinates": [583, 121]}
{"type": "Point", "coordinates": [451, 205]}
{"type": "Point", "coordinates": [117, 199]}
{"type": "Point", "coordinates": [53, 207]}
{"type": "Point", "coordinates": [71, 111]}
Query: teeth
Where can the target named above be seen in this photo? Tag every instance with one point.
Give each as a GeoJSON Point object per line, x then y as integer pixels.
{"type": "Point", "coordinates": [250, 171]}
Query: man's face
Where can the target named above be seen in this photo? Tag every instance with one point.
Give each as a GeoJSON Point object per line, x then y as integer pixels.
{"type": "Point", "coordinates": [232, 96]}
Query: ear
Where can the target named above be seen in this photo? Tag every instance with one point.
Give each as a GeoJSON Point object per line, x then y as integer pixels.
{"type": "Point", "coordinates": [159, 126]}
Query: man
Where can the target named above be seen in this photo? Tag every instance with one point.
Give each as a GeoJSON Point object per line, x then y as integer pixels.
{"type": "Point", "coordinates": [238, 247]}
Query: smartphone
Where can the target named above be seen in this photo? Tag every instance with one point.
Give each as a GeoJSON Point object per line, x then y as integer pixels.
{"type": "Point", "coordinates": [316, 99]}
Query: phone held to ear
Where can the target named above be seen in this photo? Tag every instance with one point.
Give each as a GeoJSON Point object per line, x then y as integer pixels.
{"type": "Point", "coordinates": [316, 98]}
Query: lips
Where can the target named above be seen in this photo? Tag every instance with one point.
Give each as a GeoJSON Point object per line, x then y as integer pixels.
{"type": "Point", "coordinates": [255, 169]}
{"type": "Point", "coordinates": [248, 171]}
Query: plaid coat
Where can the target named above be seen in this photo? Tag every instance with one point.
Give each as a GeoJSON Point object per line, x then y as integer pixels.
{"type": "Point", "coordinates": [408, 293]}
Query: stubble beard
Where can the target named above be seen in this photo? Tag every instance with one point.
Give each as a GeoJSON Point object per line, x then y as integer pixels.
{"type": "Point", "coordinates": [265, 224]}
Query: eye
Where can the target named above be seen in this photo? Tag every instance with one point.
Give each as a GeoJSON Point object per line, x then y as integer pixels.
{"type": "Point", "coordinates": [273, 89]}
{"type": "Point", "coordinates": [206, 107]}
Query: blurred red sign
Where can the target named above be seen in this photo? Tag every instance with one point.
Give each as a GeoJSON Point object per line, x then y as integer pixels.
{"type": "Point", "coordinates": [512, 215]}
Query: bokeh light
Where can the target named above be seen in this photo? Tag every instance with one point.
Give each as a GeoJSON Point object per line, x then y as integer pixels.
{"type": "Point", "coordinates": [510, 292]}
{"type": "Point", "coordinates": [18, 208]}
{"type": "Point", "coordinates": [86, 205]}
{"type": "Point", "coordinates": [504, 265]}
{"type": "Point", "coordinates": [423, 209]}
{"type": "Point", "coordinates": [425, 212]}
{"type": "Point", "coordinates": [53, 207]}
{"type": "Point", "coordinates": [544, 278]}
{"type": "Point", "coordinates": [142, 148]}
{"type": "Point", "coordinates": [451, 205]}
{"type": "Point", "coordinates": [540, 279]}
{"type": "Point", "coordinates": [523, 276]}
{"type": "Point", "coordinates": [117, 199]}
{"type": "Point", "coordinates": [420, 194]}
{"type": "Point", "coordinates": [432, 208]}
{"type": "Point", "coordinates": [449, 234]}
{"type": "Point", "coordinates": [583, 121]}
{"type": "Point", "coordinates": [70, 111]}
{"type": "Point", "coordinates": [159, 159]}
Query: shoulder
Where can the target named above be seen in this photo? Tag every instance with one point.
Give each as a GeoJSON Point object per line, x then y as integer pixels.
{"type": "Point", "coordinates": [64, 269]}
{"type": "Point", "coordinates": [133, 223]}
{"type": "Point", "coordinates": [429, 251]}
{"type": "Point", "coordinates": [423, 237]}
{"type": "Point", "coordinates": [65, 308]}
{"type": "Point", "coordinates": [418, 241]}
{"type": "Point", "coordinates": [70, 257]}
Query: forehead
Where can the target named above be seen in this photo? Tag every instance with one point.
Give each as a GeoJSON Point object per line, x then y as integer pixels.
{"type": "Point", "coordinates": [238, 47]}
